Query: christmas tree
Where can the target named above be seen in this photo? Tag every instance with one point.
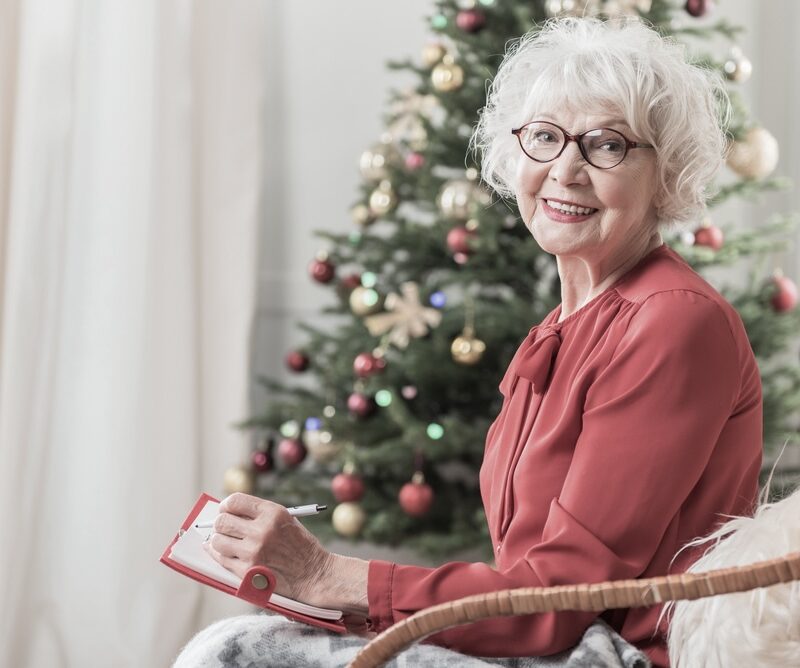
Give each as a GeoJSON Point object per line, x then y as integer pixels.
{"type": "Point", "coordinates": [439, 282]}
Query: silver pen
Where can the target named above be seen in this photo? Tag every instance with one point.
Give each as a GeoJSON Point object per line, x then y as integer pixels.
{"type": "Point", "coordinates": [294, 511]}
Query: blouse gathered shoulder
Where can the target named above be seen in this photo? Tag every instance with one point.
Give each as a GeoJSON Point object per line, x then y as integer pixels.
{"type": "Point", "coordinates": [628, 429]}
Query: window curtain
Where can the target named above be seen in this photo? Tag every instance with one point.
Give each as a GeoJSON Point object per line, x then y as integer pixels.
{"type": "Point", "coordinates": [131, 169]}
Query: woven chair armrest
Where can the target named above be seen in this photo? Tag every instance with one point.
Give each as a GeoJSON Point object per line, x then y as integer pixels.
{"type": "Point", "coordinates": [581, 597]}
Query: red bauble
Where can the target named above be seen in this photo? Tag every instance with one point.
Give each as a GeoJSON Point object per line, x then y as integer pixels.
{"type": "Point", "coordinates": [262, 461]}
{"type": "Point", "coordinates": [458, 240]}
{"type": "Point", "coordinates": [710, 236]}
{"type": "Point", "coordinates": [297, 361]}
{"type": "Point", "coordinates": [347, 487]}
{"type": "Point", "coordinates": [291, 451]}
{"type": "Point", "coordinates": [698, 8]}
{"type": "Point", "coordinates": [360, 405]}
{"type": "Point", "coordinates": [366, 364]}
{"type": "Point", "coordinates": [470, 20]}
{"type": "Point", "coordinates": [785, 296]}
{"type": "Point", "coordinates": [322, 271]}
{"type": "Point", "coordinates": [416, 497]}
{"type": "Point", "coordinates": [414, 161]}
{"type": "Point", "coordinates": [351, 281]}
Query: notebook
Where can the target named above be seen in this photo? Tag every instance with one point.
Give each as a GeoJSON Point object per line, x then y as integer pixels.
{"type": "Point", "coordinates": [187, 555]}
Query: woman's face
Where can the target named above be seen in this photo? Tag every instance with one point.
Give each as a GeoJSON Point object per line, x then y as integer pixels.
{"type": "Point", "coordinates": [622, 216]}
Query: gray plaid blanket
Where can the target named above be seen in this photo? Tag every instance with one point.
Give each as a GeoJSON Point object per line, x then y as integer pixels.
{"type": "Point", "coordinates": [267, 640]}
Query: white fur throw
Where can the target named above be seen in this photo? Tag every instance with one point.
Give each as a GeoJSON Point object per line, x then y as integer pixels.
{"type": "Point", "coordinates": [755, 629]}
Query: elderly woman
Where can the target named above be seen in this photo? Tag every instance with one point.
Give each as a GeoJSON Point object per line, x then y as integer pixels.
{"type": "Point", "coordinates": [632, 416]}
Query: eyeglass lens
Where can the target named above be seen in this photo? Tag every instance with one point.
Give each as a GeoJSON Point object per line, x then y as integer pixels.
{"type": "Point", "coordinates": [602, 148]}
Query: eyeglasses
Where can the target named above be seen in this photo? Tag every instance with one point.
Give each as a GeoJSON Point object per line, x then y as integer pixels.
{"type": "Point", "coordinates": [602, 147]}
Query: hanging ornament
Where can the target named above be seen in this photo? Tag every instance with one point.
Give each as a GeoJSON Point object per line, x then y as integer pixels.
{"type": "Point", "coordinates": [416, 497]}
{"type": "Point", "coordinates": [466, 349]}
{"type": "Point", "coordinates": [368, 364]}
{"type": "Point", "coordinates": [407, 114]}
{"type": "Point", "coordinates": [406, 126]}
{"type": "Point", "coordinates": [406, 317]}
{"type": "Point", "coordinates": [238, 479]}
{"type": "Point", "coordinates": [459, 238]}
{"type": "Point", "coordinates": [447, 76]}
{"type": "Point", "coordinates": [321, 446]}
{"type": "Point", "coordinates": [360, 405]}
{"type": "Point", "coordinates": [261, 461]}
{"type": "Point", "coordinates": [458, 197]}
{"type": "Point", "coordinates": [321, 269]}
{"type": "Point", "coordinates": [586, 8]}
{"type": "Point", "coordinates": [347, 485]}
{"type": "Point", "coordinates": [754, 157]}
{"type": "Point", "coordinates": [291, 452]}
{"type": "Point", "coordinates": [432, 53]}
{"type": "Point", "coordinates": [698, 8]}
{"type": "Point", "coordinates": [350, 282]}
{"type": "Point", "coordinates": [414, 161]}
{"type": "Point", "coordinates": [348, 519]}
{"type": "Point", "coordinates": [785, 296]}
{"type": "Point", "coordinates": [382, 200]}
{"type": "Point", "coordinates": [471, 20]}
{"type": "Point", "coordinates": [364, 301]}
{"type": "Point", "coordinates": [297, 361]}
{"type": "Point", "coordinates": [361, 215]}
{"type": "Point", "coordinates": [737, 68]}
{"type": "Point", "coordinates": [709, 235]}
{"type": "Point", "coordinates": [375, 160]}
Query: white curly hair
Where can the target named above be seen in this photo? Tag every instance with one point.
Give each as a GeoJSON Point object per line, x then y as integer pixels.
{"type": "Point", "coordinates": [623, 67]}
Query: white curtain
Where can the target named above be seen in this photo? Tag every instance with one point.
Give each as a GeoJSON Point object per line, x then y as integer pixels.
{"type": "Point", "coordinates": [131, 142]}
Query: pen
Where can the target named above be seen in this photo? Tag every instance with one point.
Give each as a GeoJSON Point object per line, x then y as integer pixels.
{"type": "Point", "coordinates": [294, 511]}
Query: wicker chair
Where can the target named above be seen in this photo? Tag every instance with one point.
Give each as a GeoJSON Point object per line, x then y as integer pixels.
{"type": "Point", "coordinates": [588, 597]}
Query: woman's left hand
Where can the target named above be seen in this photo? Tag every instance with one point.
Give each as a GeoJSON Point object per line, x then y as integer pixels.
{"type": "Point", "coordinates": [250, 531]}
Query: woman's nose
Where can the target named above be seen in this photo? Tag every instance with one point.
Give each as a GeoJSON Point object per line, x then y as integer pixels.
{"type": "Point", "coordinates": [570, 166]}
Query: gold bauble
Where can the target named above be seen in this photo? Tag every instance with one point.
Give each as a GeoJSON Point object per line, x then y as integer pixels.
{"type": "Point", "coordinates": [467, 349]}
{"type": "Point", "coordinates": [432, 53]}
{"type": "Point", "coordinates": [754, 157]}
{"type": "Point", "coordinates": [238, 479]}
{"type": "Point", "coordinates": [348, 519]}
{"type": "Point", "coordinates": [737, 68]}
{"type": "Point", "coordinates": [447, 76]}
{"type": "Point", "coordinates": [320, 445]}
{"type": "Point", "coordinates": [382, 200]}
{"type": "Point", "coordinates": [457, 198]}
{"type": "Point", "coordinates": [361, 215]}
{"type": "Point", "coordinates": [365, 301]}
{"type": "Point", "coordinates": [375, 159]}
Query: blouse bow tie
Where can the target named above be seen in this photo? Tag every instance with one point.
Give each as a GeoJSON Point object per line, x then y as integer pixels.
{"type": "Point", "coordinates": [534, 360]}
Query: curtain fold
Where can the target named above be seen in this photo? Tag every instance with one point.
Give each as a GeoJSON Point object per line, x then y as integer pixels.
{"type": "Point", "coordinates": [131, 141]}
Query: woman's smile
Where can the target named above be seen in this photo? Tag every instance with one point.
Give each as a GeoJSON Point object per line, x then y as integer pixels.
{"type": "Point", "coordinates": [566, 212]}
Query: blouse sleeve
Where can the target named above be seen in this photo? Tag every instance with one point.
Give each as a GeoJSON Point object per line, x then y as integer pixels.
{"type": "Point", "coordinates": [651, 419]}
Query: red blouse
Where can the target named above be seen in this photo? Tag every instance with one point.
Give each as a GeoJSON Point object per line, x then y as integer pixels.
{"type": "Point", "coordinates": [626, 430]}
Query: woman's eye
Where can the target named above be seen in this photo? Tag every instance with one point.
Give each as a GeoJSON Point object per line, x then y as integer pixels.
{"type": "Point", "coordinates": [544, 137]}
{"type": "Point", "coordinates": [611, 146]}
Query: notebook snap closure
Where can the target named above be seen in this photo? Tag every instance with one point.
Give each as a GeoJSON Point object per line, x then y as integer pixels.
{"type": "Point", "coordinates": [260, 581]}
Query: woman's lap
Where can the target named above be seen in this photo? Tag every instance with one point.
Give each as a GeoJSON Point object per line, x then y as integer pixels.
{"type": "Point", "coordinates": [266, 640]}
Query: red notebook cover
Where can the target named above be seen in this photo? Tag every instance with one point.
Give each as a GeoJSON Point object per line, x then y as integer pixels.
{"type": "Point", "coordinates": [257, 585]}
